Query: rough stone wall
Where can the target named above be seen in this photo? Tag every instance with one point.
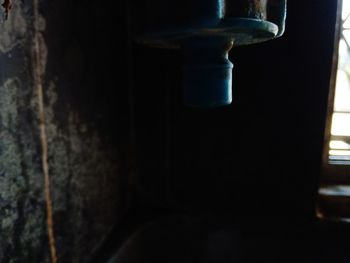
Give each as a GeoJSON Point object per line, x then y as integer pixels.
{"type": "Point", "coordinates": [86, 155]}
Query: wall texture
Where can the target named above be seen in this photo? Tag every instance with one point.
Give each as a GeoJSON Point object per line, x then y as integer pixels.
{"type": "Point", "coordinates": [86, 126]}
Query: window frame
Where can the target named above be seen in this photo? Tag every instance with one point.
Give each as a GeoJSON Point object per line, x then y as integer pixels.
{"type": "Point", "coordinates": [333, 173]}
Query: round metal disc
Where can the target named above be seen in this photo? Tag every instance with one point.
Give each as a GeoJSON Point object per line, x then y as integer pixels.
{"type": "Point", "coordinates": [242, 31]}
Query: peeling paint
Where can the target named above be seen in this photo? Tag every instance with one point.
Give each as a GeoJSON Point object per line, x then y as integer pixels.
{"type": "Point", "coordinates": [84, 169]}
{"type": "Point", "coordinates": [14, 29]}
{"type": "Point", "coordinates": [17, 170]}
{"type": "Point", "coordinates": [77, 160]}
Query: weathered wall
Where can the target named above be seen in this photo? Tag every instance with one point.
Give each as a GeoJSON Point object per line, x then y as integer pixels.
{"type": "Point", "coordinates": [87, 127]}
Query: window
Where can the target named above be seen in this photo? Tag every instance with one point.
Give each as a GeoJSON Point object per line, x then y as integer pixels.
{"type": "Point", "coordinates": [334, 192]}
{"type": "Point", "coordinates": [339, 143]}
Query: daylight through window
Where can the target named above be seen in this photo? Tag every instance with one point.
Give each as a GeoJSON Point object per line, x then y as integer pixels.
{"type": "Point", "coordinates": [339, 145]}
